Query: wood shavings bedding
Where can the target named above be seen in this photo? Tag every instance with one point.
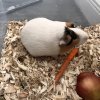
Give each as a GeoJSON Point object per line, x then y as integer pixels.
{"type": "Point", "coordinates": [23, 77]}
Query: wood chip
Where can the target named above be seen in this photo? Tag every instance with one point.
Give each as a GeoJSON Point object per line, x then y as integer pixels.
{"type": "Point", "coordinates": [10, 89]}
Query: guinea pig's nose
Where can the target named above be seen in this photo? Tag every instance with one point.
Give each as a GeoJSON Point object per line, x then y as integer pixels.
{"type": "Point", "coordinates": [83, 38]}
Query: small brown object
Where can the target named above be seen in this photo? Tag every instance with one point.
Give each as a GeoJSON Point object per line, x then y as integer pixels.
{"type": "Point", "coordinates": [65, 64]}
{"type": "Point", "coordinates": [23, 94]}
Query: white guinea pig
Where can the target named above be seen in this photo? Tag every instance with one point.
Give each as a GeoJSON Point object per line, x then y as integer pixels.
{"type": "Point", "coordinates": [44, 37]}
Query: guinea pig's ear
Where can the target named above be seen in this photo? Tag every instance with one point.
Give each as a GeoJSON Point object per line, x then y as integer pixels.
{"type": "Point", "coordinates": [70, 24]}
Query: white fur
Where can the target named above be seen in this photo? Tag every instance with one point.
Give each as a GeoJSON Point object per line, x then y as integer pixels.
{"type": "Point", "coordinates": [41, 36]}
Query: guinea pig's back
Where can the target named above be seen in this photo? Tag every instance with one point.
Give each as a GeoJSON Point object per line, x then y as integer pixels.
{"type": "Point", "coordinates": [39, 36]}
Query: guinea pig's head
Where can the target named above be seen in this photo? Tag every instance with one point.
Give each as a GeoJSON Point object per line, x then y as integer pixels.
{"type": "Point", "coordinates": [81, 35]}
{"type": "Point", "coordinates": [72, 37]}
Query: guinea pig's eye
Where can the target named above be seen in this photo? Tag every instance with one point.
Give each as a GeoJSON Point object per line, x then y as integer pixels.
{"type": "Point", "coordinates": [70, 36]}
{"type": "Point", "coordinates": [73, 35]}
{"type": "Point", "coordinates": [67, 39]}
